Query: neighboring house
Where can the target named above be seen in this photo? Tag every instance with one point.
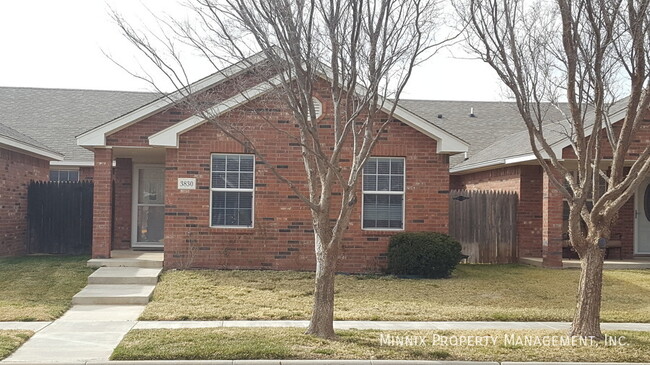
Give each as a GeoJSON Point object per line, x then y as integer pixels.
{"type": "Point", "coordinates": [207, 202]}
{"type": "Point", "coordinates": [55, 116]}
{"type": "Point", "coordinates": [508, 164]}
{"type": "Point", "coordinates": [22, 159]}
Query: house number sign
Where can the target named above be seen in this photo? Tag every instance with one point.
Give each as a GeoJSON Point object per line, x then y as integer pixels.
{"type": "Point", "coordinates": [186, 183]}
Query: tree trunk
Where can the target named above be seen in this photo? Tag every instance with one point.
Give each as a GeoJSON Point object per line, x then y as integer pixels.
{"type": "Point", "coordinates": [586, 320]}
{"type": "Point", "coordinates": [321, 323]}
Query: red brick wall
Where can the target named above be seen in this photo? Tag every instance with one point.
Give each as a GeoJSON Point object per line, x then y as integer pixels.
{"type": "Point", "coordinates": [102, 203]}
{"type": "Point", "coordinates": [122, 175]}
{"type": "Point", "coordinates": [551, 224]}
{"type": "Point", "coordinates": [503, 179]}
{"type": "Point", "coordinates": [529, 212]}
{"type": "Point", "coordinates": [16, 170]}
{"type": "Point", "coordinates": [282, 236]}
{"type": "Point", "coordinates": [86, 173]}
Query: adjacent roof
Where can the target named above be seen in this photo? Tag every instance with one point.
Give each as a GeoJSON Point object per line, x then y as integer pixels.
{"type": "Point", "coordinates": [55, 116]}
{"type": "Point", "coordinates": [480, 123]}
{"type": "Point", "coordinates": [15, 140]}
{"type": "Point", "coordinates": [516, 147]}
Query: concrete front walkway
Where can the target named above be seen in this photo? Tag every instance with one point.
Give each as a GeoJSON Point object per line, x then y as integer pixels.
{"type": "Point", "coordinates": [84, 333]}
{"type": "Point", "coordinates": [102, 313]}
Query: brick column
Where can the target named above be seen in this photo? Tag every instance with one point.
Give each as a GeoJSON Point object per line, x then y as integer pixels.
{"type": "Point", "coordinates": [552, 204]}
{"type": "Point", "coordinates": [102, 203]}
{"type": "Point", "coordinates": [123, 197]}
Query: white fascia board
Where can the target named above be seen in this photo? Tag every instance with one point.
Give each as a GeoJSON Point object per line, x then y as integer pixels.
{"type": "Point", "coordinates": [517, 159]}
{"type": "Point", "coordinates": [97, 137]}
{"type": "Point", "coordinates": [169, 137]}
{"type": "Point", "coordinates": [72, 163]}
{"type": "Point", "coordinates": [447, 143]}
{"type": "Point", "coordinates": [28, 149]}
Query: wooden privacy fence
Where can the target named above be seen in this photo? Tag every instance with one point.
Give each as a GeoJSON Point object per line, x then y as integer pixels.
{"type": "Point", "coordinates": [60, 217]}
{"type": "Point", "coordinates": [485, 223]}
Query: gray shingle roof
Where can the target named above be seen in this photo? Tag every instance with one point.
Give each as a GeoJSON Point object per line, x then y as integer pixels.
{"type": "Point", "coordinates": [556, 131]}
{"type": "Point", "coordinates": [13, 134]}
{"type": "Point", "coordinates": [491, 120]}
{"type": "Point", "coordinates": [53, 117]}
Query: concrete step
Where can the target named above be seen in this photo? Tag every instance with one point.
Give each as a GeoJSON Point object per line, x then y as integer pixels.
{"type": "Point", "coordinates": [124, 262]}
{"type": "Point", "coordinates": [114, 294]}
{"type": "Point", "coordinates": [125, 275]}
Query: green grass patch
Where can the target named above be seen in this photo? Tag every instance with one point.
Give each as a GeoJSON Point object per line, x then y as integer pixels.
{"type": "Point", "coordinates": [39, 288]}
{"type": "Point", "coordinates": [474, 293]}
{"type": "Point", "coordinates": [291, 343]}
{"type": "Point", "coordinates": [10, 340]}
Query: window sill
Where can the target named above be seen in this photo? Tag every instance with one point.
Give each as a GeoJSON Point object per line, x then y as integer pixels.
{"type": "Point", "coordinates": [380, 232]}
{"type": "Point", "coordinates": [235, 230]}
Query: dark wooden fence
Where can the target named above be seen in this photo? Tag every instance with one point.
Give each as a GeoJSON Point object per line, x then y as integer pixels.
{"type": "Point", "coordinates": [60, 217]}
{"type": "Point", "coordinates": [485, 223]}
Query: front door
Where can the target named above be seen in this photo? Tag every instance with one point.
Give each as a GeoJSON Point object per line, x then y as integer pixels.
{"type": "Point", "coordinates": [148, 206]}
{"type": "Point", "coordinates": [642, 215]}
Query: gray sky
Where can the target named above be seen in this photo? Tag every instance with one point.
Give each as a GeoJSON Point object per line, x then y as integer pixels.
{"type": "Point", "coordinates": [58, 44]}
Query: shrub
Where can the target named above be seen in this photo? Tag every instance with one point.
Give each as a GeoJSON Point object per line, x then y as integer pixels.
{"type": "Point", "coordinates": [427, 254]}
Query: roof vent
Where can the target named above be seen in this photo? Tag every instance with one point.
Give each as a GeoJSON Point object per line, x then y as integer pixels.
{"type": "Point", "coordinates": [439, 116]}
{"type": "Point", "coordinates": [471, 112]}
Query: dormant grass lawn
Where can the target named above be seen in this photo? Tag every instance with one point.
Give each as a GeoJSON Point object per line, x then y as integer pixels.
{"type": "Point", "coordinates": [474, 293]}
{"type": "Point", "coordinates": [39, 288]}
{"type": "Point", "coordinates": [11, 340]}
{"type": "Point", "coordinates": [291, 343]}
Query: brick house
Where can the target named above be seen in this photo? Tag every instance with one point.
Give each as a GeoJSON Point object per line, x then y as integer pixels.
{"type": "Point", "coordinates": [183, 186]}
{"type": "Point", "coordinates": [500, 158]}
{"type": "Point", "coordinates": [22, 159]}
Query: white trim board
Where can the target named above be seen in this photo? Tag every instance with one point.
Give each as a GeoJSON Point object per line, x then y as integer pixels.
{"type": "Point", "coordinates": [168, 137]}
{"type": "Point", "coordinates": [28, 149]}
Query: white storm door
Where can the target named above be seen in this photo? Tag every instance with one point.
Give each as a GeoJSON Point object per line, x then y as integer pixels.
{"type": "Point", "coordinates": [148, 226]}
{"type": "Point", "coordinates": [642, 219]}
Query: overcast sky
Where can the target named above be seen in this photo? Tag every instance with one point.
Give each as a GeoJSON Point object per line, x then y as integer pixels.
{"type": "Point", "coordinates": [59, 43]}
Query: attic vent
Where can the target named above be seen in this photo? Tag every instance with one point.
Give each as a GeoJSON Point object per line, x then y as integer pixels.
{"type": "Point", "coordinates": [439, 116]}
{"type": "Point", "coordinates": [318, 108]}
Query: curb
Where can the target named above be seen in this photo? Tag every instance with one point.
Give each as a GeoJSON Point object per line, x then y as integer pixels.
{"type": "Point", "coordinates": [307, 362]}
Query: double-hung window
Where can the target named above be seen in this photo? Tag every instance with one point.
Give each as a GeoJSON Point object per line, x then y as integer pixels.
{"type": "Point", "coordinates": [383, 193]}
{"type": "Point", "coordinates": [233, 182]}
{"type": "Point", "coordinates": [64, 175]}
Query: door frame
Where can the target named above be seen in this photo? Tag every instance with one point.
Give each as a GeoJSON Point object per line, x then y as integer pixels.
{"type": "Point", "coordinates": [639, 195]}
{"type": "Point", "coordinates": [134, 207]}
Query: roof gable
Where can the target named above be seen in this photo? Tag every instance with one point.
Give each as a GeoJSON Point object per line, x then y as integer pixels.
{"type": "Point", "coordinates": [447, 142]}
{"type": "Point", "coordinates": [97, 136]}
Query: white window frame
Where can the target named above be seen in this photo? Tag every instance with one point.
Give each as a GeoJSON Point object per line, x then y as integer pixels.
{"type": "Point", "coordinates": [67, 170]}
{"type": "Point", "coordinates": [234, 191]}
{"type": "Point", "coordinates": [403, 193]}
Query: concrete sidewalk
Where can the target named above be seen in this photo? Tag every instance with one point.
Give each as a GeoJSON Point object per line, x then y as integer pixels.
{"type": "Point", "coordinates": [106, 314]}
{"type": "Point", "coordinates": [314, 362]}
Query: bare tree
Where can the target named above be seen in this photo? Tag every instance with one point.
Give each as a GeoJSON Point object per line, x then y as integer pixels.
{"type": "Point", "coordinates": [365, 50]}
{"type": "Point", "coordinates": [586, 52]}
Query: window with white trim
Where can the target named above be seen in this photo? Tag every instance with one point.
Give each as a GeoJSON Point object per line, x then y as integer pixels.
{"type": "Point", "coordinates": [64, 175]}
{"type": "Point", "coordinates": [383, 193]}
{"type": "Point", "coordinates": [232, 188]}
